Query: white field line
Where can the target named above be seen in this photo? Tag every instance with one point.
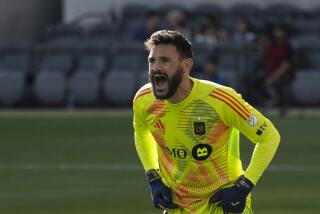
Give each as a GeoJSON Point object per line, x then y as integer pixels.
{"type": "Point", "coordinates": [133, 167]}
{"type": "Point", "coordinates": [70, 166]}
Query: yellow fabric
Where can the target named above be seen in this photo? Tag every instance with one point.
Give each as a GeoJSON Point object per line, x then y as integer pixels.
{"type": "Point", "coordinates": [195, 143]}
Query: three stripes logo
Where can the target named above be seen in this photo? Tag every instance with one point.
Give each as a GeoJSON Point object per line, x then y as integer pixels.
{"type": "Point", "coordinates": [159, 125]}
{"type": "Point", "coordinates": [232, 102]}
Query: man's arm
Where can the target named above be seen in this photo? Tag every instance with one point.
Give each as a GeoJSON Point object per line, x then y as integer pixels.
{"type": "Point", "coordinates": [262, 155]}
{"type": "Point", "coordinates": [147, 150]}
{"type": "Point", "coordinates": [144, 142]}
{"type": "Point", "coordinates": [235, 112]}
{"type": "Point", "coordinates": [257, 128]}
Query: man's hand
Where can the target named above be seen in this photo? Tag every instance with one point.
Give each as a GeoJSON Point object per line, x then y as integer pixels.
{"type": "Point", "coordinates": [233, 199]}
{"type": "Point", "coordinates": [160, 193]}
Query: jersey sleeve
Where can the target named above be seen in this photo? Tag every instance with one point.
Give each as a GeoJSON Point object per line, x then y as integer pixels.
{"type": "Point", "coordinates": [237, 113]}
{"type": "Point", "coordinates": [144, 141]}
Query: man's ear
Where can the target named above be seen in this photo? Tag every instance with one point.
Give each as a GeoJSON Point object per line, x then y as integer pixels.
{"type": "Point", "coordinates": [187, 64]}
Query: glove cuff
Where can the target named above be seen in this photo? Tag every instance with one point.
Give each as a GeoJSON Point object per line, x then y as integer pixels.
{"type": "Point", "coordinates": [244, 184]}
{"type": "Point", "coordinates": [152, 175]}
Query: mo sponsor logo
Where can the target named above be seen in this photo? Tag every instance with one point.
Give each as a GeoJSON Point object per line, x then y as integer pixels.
{"type": "Point", "coordinates": [176, 152]}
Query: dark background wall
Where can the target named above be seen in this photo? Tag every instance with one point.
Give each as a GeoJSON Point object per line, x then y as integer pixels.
{"type": "Point", "coordinates": [27, 19]}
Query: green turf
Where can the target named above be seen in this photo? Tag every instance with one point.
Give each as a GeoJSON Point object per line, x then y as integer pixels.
{"type": "Point", "coordinates": [54, 144]}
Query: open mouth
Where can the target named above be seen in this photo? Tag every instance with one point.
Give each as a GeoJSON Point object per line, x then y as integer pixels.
{"type": "Point", "coordinates": [160, 81]}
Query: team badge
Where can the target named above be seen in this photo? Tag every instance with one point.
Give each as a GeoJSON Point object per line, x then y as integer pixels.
{"type": "Point", "coordinates": [199, 128]}
{"type": "Point", "coordinates": [201, 151]}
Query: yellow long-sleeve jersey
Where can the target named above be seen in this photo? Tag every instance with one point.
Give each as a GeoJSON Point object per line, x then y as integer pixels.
{"type": "Point", "coordinates": [195, 143]}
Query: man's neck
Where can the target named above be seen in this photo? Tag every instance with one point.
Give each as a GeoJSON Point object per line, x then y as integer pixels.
{"type": "Point", "coordinates": [182, 92]}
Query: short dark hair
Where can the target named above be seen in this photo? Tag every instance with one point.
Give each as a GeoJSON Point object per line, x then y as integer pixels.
{"type": "Point", "coordinates": [175, 38]}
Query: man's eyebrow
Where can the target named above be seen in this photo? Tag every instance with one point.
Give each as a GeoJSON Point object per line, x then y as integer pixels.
{"type": "Point", "coordinates": [159, 57]}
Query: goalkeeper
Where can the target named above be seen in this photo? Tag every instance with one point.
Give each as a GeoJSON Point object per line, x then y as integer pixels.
{"type": "Point", "coordinates": [187, 135]}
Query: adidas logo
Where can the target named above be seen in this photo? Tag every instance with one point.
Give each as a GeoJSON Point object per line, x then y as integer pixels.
{"type": "Point", "coordinates": [159, 125]}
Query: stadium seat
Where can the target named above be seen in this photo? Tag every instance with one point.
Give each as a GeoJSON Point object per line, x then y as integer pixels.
{"type": "Point", "coordinates": [64, 29]}
{"type": "Point", "coordinates": [12, 88]}
{"type": "Point", "coordinates": [92, 58]}
{"type": "Point", "coordinates": [309, 54]}
{"type": "Point", "coordinates": [132, 10]}
{"type": "Point", "coordinates": [132, 14]}
{"type": "Point", "coordinates": [128, 56]}
{"type": "Point", "coordinates": [50, 88]}
{"type": "Point", "coordinates": [202, 11]}
{"type": "Point", "coordinates": [306, 87]}
{"type": "Point", "coordinates": [243, 10]}
{"type": "Point", "coordinates": [84, 88]}
{"type": "Point", "coordinates": [17, 57]}
{"type": "Point", "coordinates": [315, 12]}
{"type": "Point", "coordinates": [102, 33]}
{"type": "Point", "coordinates": [282, 12]}
{"type": "Point", "coordinates": [119, 87]}
{"type": "Point", "coordinates": [92, 62]}
{"type": "Point", "coordinates": [56, 59]}
{"type": "Point", "coordinates": [306, 27]}
{"type": "Point", "coordinates": [64, 35]}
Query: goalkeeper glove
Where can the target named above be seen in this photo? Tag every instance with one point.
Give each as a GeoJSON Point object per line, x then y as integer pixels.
{"type": "Point", "coordinates": [160, 193]}
{"type": "Point", "coordinates": [233, 199]}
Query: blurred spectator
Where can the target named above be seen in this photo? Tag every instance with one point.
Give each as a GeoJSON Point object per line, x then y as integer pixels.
{"type": "Point", "coordinates": [223, 35]}
{"type": "Point", "coordinates": [150, 25]}
{"type": "Point", "coordinates": [272, 86]}
{"type": "Point", "coordinates": [243, 33]}
{"type": "Point", "coordinates": [177, 21]}
{"type": "Point", "coordinates": [207, 33]}
{"type": "Point", "coordinates": [210, 71]}
{"type": "Point", "coordinates": [279, 67]}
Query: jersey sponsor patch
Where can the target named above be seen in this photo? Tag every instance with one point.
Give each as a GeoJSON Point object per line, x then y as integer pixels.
{"type": "Point", "coordinates": [262, 128]}
{"type": "Point", "coordinates": [201, 151]}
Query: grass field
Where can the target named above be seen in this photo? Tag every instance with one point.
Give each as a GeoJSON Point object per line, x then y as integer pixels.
{"type": "Point", "coordinates": [85, 163]}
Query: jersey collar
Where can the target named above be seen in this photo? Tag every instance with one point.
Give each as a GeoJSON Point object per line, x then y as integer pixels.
{"type": "Point", "coordinates": [188, 98]}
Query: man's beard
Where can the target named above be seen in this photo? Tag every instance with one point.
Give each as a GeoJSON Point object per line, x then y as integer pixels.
{"type": "Point", "coordinates": [173, 84]}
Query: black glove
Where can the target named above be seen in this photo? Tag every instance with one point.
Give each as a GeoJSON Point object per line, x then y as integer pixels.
{"type": "Point", "coordinates": [160, 193]}
{"type": "Point", "coordinates": [233, 199]}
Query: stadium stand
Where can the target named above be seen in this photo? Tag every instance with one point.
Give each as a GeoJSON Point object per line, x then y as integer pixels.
{"type": "Point", "coordinates": [83, 63]}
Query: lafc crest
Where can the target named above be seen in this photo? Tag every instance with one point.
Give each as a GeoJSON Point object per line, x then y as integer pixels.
{"type": "Point", "coordinates": [199, 128]}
